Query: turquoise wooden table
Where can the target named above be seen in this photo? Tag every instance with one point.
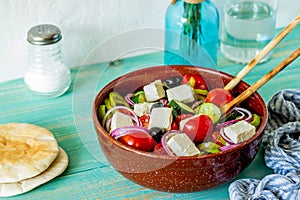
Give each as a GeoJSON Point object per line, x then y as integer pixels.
{"type": "Point", "coordinates": [89, 175]}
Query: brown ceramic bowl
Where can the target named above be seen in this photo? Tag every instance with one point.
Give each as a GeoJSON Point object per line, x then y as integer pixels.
{"type": "Point", "coordinates": [170, 173]}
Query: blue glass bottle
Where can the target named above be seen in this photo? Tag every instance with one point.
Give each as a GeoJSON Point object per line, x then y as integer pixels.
{"type": "Point", "coordinates": [190, 28]}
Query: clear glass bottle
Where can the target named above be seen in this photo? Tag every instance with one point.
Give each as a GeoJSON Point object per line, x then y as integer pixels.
{"type": "Point", "coordinates": [47, 74]}
{"type": "Point", "coordinates": [197, 21]}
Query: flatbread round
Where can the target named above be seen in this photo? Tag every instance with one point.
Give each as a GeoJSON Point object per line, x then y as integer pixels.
{"type": "Point", "coordinates": [55, 169]}
{"type": "Point", "coordinates": [26, 150]}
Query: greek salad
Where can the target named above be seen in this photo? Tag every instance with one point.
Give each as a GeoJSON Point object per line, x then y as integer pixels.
{"type": "Point", "coordinates": [177, 117]}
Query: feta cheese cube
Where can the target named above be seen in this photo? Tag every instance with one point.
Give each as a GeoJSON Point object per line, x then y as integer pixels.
{"type": "Point", "coordinates": [141, 109]}
{"type": "Point", "coordinates": [161, 117]}
{"type": "Point", "coordinates": [154, 91]}
{"type": "Point", "coordinates": [181, 145]}
{"type": "Point", "coordinates": [239, 132]}
{"type": "Point", "coordinates": [183, 93]}
{"type": "Point", "coordinates": [120, 120]}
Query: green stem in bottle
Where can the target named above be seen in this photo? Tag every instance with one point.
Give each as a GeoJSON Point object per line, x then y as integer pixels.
{"type": "Point", "coordinates": [192, 27]}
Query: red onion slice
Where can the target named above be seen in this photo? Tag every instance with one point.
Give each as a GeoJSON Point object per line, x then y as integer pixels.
{"type": "Point", "coordinates": [243, 116]}
{"type": "Point", "coordinates": [164, 140]}
{"type": "Point", "coordinates": [245, 111]}
{"type": "Point", "coordinates": [227, 123]}
{"type": "Point", "coordinates": [135, 117]}
{"type": "Point", "coordinates": [196, 104]}
{"type": "Point", "coordinates": [226, 139]}
{"type": "Point", "coordinates": [128, 99]}
{"type": "Point", "coordinates": [119, 132]}
{"type": "Point", "coordinates": [108, 123]}
{"type": "Point", "coordinates": [224, 148]}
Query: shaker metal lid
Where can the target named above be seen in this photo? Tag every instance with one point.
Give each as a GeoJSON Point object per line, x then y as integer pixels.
{"type": "Point", "coordinates": [44, 34]}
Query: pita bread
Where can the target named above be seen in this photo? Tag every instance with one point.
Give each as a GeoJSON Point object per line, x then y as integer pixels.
{"type": "Point", "coordinates": [56, 168]}
{"type": "Point", "coordinates": [26, 150]}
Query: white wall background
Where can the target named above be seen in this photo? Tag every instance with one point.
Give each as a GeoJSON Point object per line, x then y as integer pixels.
{"type": "Point", "coordinates": [84, 24]}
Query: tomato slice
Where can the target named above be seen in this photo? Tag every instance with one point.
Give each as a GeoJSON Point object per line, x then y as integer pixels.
{"type": "Point", "coordinates": [196, 81]}
{"type": "Point", "coordinates": [219, 96]}
{"type": "Point", "coordinates": [138, 140]}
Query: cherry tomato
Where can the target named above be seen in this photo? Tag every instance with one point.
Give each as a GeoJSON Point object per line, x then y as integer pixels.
{"type": "Point", "coordinates": [198, 128]}
{"type": "Point", "coordinates": [196, 81]}
{"type": "Point", "coordinates": [174, 126]}
{"type": "Point", "coordinates": [138, 140]}
{"type": "Point", "coordinates": [145, 120]}
{"type": "Point", "coordinates": [219, 96]}
{"type": "Point", "coordinates": [182, 117]}
{"type": "Point", "coordinates": [158, 149]}
{"type": "Point", "coordinates": [217, 138]}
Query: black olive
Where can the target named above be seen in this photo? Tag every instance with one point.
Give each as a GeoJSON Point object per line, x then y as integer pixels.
{"type": "Point", "coordinates": [173, 81]}
{"type": "Point", "coordinates": [157, 133]}
{"type": "Point", "coordinates": [157, 105]}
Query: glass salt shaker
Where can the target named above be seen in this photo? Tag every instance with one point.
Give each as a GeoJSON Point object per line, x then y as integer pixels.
{"type": "Point", "coordinates": [47, 74]}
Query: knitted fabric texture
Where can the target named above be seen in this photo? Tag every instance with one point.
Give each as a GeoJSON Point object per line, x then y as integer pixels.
{"type": "Point", "coordinates": [282, 153]}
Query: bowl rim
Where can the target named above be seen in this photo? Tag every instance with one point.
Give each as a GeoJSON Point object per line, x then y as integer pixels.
{"type": "Point", "coordinates": [103, 132]}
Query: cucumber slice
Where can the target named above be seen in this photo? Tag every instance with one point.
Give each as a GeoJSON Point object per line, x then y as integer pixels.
{"type": "Point", "coordinates": [107, 104]}
{"type": "Point", "coordinates": [256, 120]}
{"type": "Point", "coordinates": [210, 109]}
{"type": "Point", "coordinates": [141, 98]}
{"type": "Point", "coordinates": [139, 92]}
{"type": "Point", "coordinates": [101, 111]}
{"type": "Point", "coordinates": [209, 147]}
{"type": "Point", "coordinates": [116, 99]}
{"type": "Point", "coordinates": [180, 107]}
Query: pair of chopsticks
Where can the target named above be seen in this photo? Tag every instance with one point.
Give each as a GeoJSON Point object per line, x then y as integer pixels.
{"type": "Point", "coordinates": [253, 88]}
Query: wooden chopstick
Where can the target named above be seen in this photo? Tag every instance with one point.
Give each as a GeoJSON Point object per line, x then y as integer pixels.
{"type": "Point", "coordinates": [244, 95]}
{"type": "Point", "coordinates": [262, 54]}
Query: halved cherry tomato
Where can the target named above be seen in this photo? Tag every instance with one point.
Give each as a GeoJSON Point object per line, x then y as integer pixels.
{"type": "Point", "coordinates": [198, 127]}
{"type": "Point", "coordinates": [182, 117]}
{"type": "Point", "coordinates": [138, 140]}
{"type": "Point", "coordinates": [145, 120]}
{"type": "Point", "coordinates": [196, 81]}
{"type": "Point", "coordinates": [158, 149]}
{"type": "Point", "coordinates": [218, 96]}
